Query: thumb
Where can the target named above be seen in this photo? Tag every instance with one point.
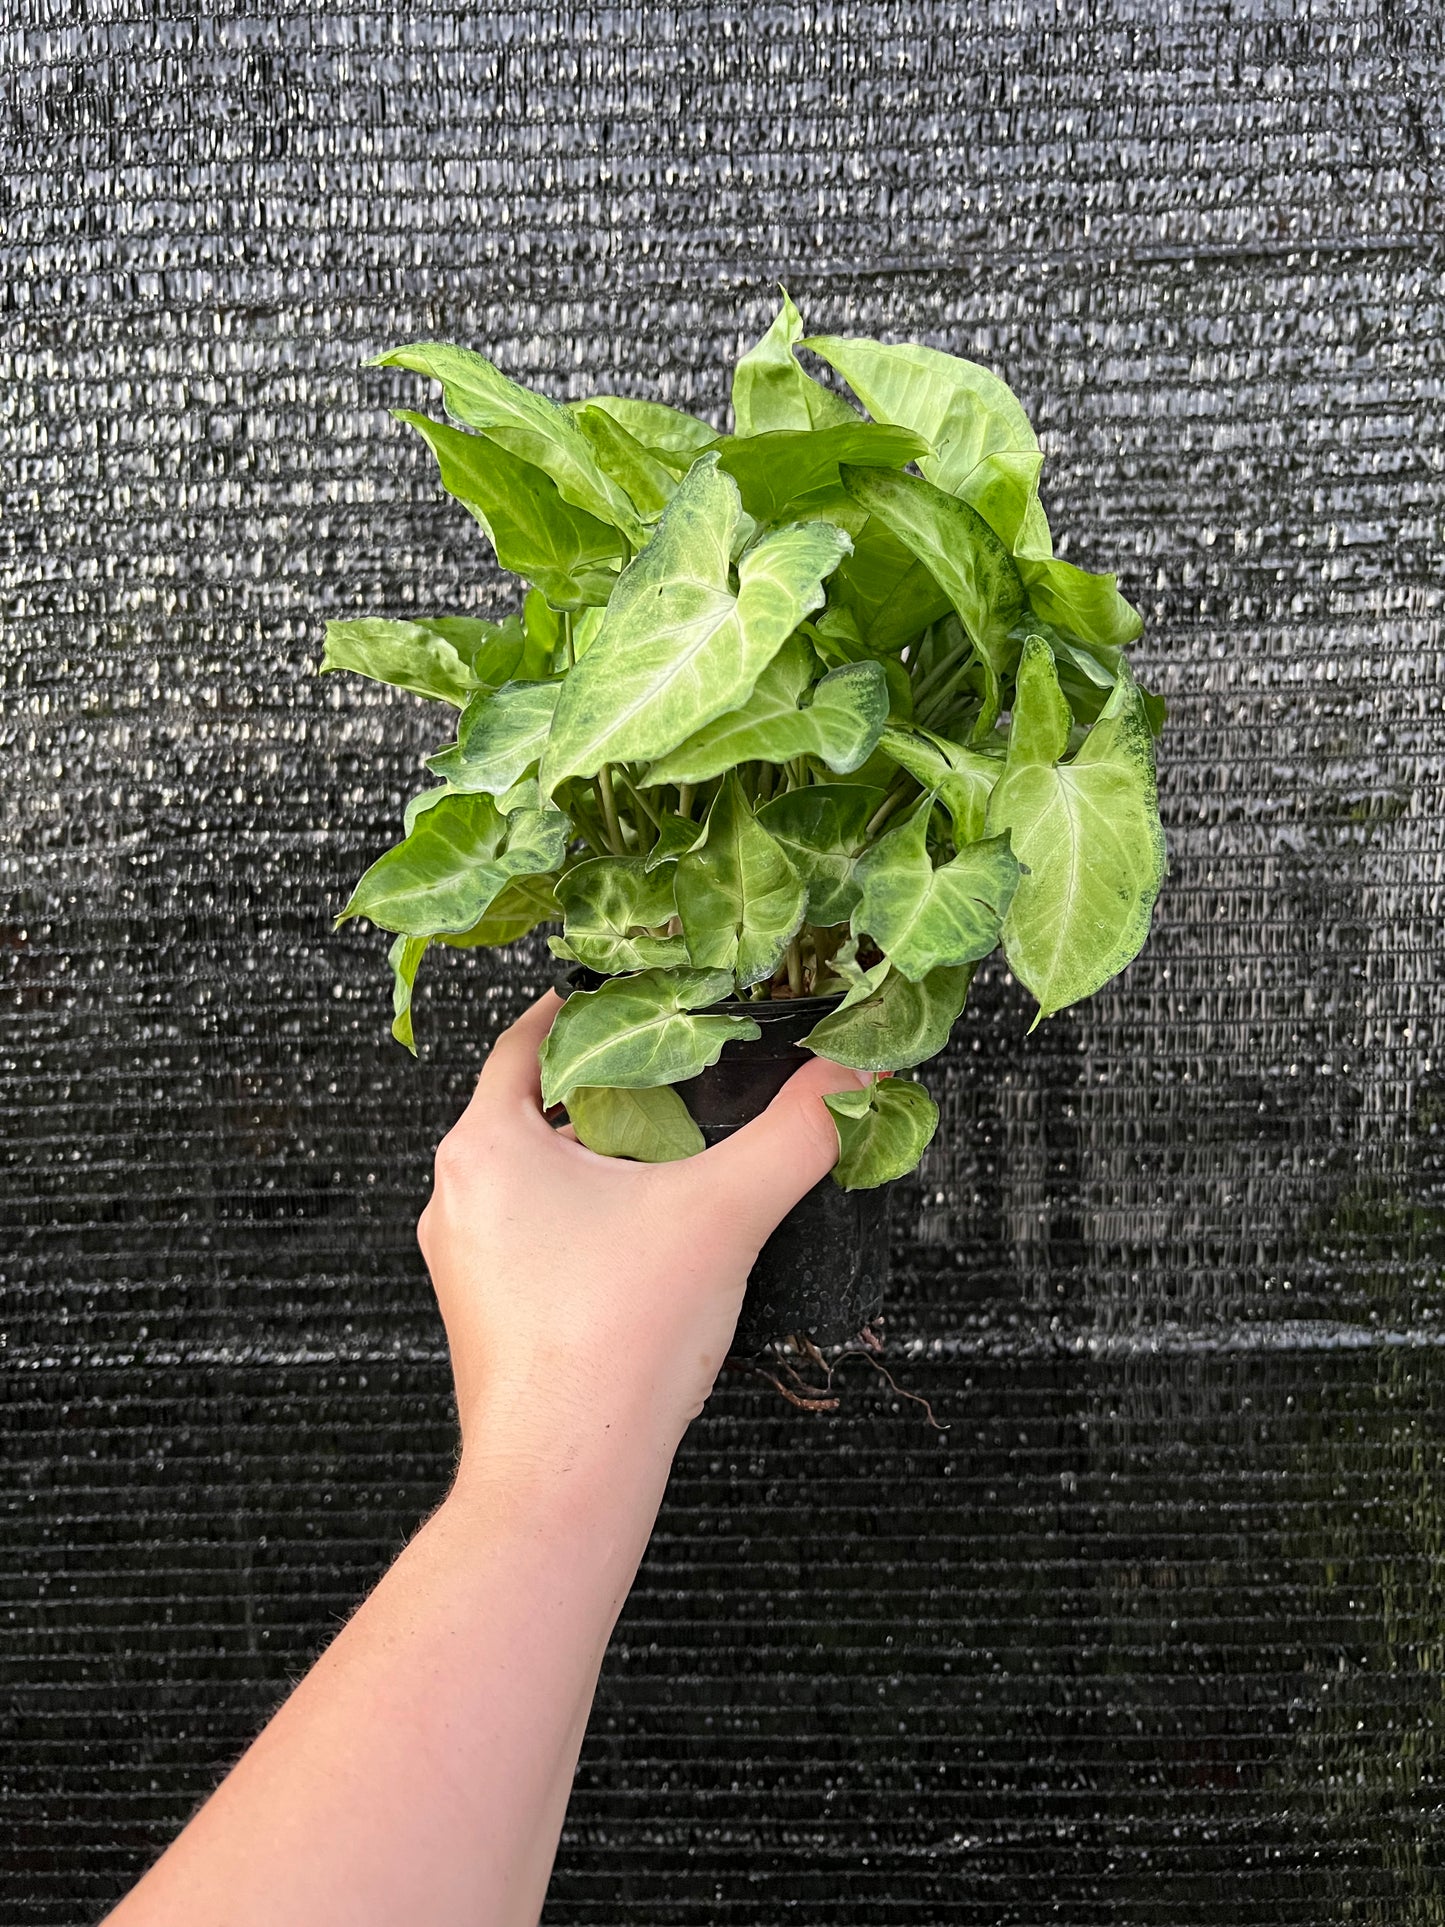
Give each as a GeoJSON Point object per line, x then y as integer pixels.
{"type": "Point", "coordinates": [767, 1165]}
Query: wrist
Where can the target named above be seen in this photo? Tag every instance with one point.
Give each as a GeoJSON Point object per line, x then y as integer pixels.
{"type": "Point", "coordinates": [563, 1460]}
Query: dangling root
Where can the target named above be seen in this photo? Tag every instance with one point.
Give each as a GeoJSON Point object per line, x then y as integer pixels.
{"type": "Point", "coordinates": [915, 1398]}
{"type": "Point", "coordinates": [794, 1398]}
{"type": "Point", "coordinates": [809, 1397]}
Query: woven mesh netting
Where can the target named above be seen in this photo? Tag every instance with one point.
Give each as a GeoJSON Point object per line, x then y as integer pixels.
{"type": "Point", "coordinates": [1154, 1632]}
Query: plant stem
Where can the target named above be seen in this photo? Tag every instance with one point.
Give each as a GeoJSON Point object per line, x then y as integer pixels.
{"type": "Point", "coordinates": [684, 799]}
{"type": "Point", "coordinates": [765, 782]}
{"type": "Point", "coordinates": [567, 643]}
{"type": "Point", "coordinates": [795, 968]}
{"type": "Point", "coordinates": [609, 811]}
{"type": "Point", "coordinates": [642, 803]}
{"type": "Point", "coordinates": [885, 809]}
{"type": "Point", "coordinates": [932, 677]}
{"type": "Point", "coordinates": [942, 694]}
{"type": "Point", "coordinates": [584, 815]}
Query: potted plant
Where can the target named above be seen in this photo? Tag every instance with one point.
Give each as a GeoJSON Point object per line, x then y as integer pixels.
{"type": "Point", "coordinates": [791, 729]}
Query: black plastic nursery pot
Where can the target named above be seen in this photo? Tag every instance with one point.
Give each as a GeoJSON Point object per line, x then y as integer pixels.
{"type": "Point", "coordinates": [825, 1268]}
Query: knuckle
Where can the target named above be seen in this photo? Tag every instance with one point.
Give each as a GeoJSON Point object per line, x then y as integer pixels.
{"type": "Point", "coordinates": [452, 1164]}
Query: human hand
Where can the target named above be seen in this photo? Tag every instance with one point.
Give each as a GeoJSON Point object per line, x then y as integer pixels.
{"type": "Point", "coordinates": [585, 1295]}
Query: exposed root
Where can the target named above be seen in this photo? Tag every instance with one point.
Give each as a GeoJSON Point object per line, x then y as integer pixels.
{"type": "Point", "coordinates": [915, 1398]}
{"type": "Point", "coordinates": [808, 1396]}
{"type": "Point", "coordinates": [798, 1398]}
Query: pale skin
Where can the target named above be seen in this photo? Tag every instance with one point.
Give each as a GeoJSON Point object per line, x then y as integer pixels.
{"type": "Point", "coordinates": [420, 1771]}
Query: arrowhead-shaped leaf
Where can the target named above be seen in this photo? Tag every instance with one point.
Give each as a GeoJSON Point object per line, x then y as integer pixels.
{"type": "Point", "coordinates": [740, 899]}
{"type": "Point", "coordinates": [652, 1126]}
{"type": "Point", "coordinates": [963, 409]}
{"type": "Point", "coordinates": [677, 647]}
{"type": "Point", "coordinates": [528, 426]}
{"type": "Point", "coordinates": [840, 724]}
{"type": "Point", "coordinates": [571, 556]}
{"type": "Point", "coordinates": [649, 483]}
{"type": "Point", "coordinates": [613, 906]}
{"type": "Point", "coordinates": [883, 1131]}
{"type": "Point", "coordinates": [676, 438]}
{"type": "Point", "coordinates": [966, 559]}
{"type": "Point", "coordinates": [963, 778]}
{"type": "Point", "coordinates": [636, 1032]}
{"type": "Point", "coordinates": [889, 593]}
{"type": "Point", "coordinates": [770, 390]}
{"type": "Point", "coordinates": [499, 739]}
{"type": "Point", "coordinates": [822, 829]}
{"type": "Point", "coordinates": [861, 982]}
{"type": "Point", "coordinates": [1083, 605]}
{"type": "Point", "coordinates": [518, 908]}
{"type": "Point", "coordinates": [782, 473]}
{"type": "Point", "coordinates": [447, 659]}
{"type": "Point", "coordinates": [900, 1025]}
{"type": "Point", "coordinates": [455, 862]}
{"type": "Point", "coordinates": [675, 837]}
{"type": "Point", "coordinates": [921, 917]}
{"type": "Point", "coordinates": [1004, 488]}
{"type": "Point", "coordinates": [1087, 832]}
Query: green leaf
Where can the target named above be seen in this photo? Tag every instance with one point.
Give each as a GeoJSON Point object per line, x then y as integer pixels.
{"type": "Point", "coordinates": [965, 411]}
{"type": "Point", "coordinates": [770, 390]}
{"type": "Point", "coordinates": [1004, 488]}
{"type": "Point", "coordinates": [542, 628]}
{"type": "Point", "coordinates": [966, 559]}
{"type": "Point", "coordinates": [1087, 832]}
{"type": "Point", "coordinates": [419, 804]}
{"type": "Point", "coordinates": [840, 724]}
{"type": "Point", "coordinates": [962, 778]}
{"type": "Point", "coordinates": [447, 659]}
{"type": "Point", "coordinates": [519, 907]}
{"type": "Point", "coordinates": [837, 640]}
{"type": "Point", "coordinates": [652, 1126]}
{"type": "Point", "coordinates": [404, 956]}
{"type": "Point", "coordinates": [676, 836]}
{"type": "Point", "coordinates": [777, 473]}
{"type": "Point", "coordinates": [891, 596]}
{"type": "Point", "coordinates": [636, 1032]}
{"type": "Point", "coordinates": [613, 906]}
{"type": "Point", "coordinates": [649, 483]}
{"type": "Point", "coordinates": [822, 830]}
{"type": "Point", "coordinates": [675, 437]}
{"type": "Point", "coordinates": [883, 1131]}
{"type": "Point", "coordinates": [571, 556]}
{"type": "Point", "coordinates": [455, 861]}
{"type": "Point", "coordinates": [499, 739]}
{"type": "Point", "coordinates": [740, 899]}
{"type": "Point", "coordinates": [534, 430]}
{"type": "Point", "coordinates": [677, 647]}
{"type": "Point", "coordinates": [1087, 606]}
{"type": "Point", "coordinates": [901, 1024]}
{"type": "Point", "coordinates": [861, 983]}
{"type": "Point", "coordinates": [921, 917]}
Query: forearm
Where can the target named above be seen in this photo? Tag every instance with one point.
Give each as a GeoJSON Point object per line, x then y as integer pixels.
{"type": "Point", "coordinates": [421, 1771]}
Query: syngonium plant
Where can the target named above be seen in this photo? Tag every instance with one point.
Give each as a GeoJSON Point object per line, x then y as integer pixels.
{"type": "Point", "coordinates": [810, 708]}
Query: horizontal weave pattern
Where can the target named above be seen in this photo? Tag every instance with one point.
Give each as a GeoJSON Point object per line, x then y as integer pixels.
{"type": "Point", "coordinates": [1152, 1633]}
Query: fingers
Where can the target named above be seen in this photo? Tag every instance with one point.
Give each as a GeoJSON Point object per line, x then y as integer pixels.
{"type": "Point", "coordinates": [765, 1167]}
{"type": "Point", "coordinates": [511, 1073]}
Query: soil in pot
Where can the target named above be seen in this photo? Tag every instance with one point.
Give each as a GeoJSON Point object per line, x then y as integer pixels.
{"type": "Point", "coordinates": [825, 1268]}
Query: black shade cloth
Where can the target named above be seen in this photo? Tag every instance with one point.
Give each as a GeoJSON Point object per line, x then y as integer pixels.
{"type": "Point", "coordinates": [1154, 1632]}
